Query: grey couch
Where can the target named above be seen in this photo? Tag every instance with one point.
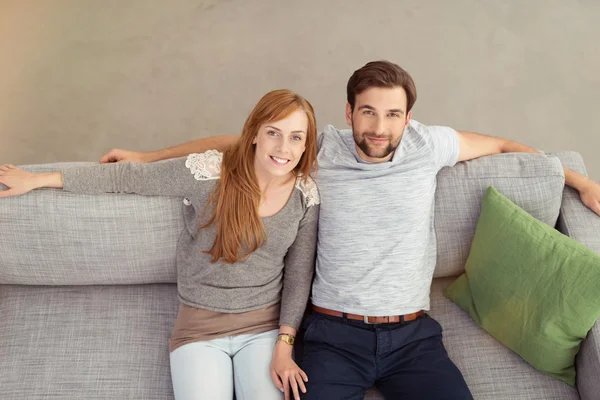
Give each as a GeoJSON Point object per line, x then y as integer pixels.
{"type": "Point", "coordinates": [87, 293]}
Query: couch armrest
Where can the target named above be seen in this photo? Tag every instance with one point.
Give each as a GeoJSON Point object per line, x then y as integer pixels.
{"type": "Point", "coordinates": [580, 223]}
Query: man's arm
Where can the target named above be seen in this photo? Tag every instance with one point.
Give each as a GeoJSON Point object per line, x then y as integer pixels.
{"type": "Point", "coordinates": [220, 143]}
{"type": "Point", "coordinates": [474, 145]}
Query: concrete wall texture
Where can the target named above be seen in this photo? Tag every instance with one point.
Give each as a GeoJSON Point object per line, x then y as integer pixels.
{"type": "Point", "coordinates": [80, 77]}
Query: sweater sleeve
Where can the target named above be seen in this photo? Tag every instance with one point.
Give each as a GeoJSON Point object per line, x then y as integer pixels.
{"type": "Point", "coordinates": [299, 269]}
{"type": "Point", "coordinates": [174, 177]}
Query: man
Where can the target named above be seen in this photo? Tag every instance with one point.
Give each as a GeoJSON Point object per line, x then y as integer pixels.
{"type": "Point", "coordinates": [376, 247]}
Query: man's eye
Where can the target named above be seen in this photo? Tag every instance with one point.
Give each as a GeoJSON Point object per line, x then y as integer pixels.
{"type": "Point", "coordinates": [368, 112]}
{"type": "Point", "coordinates": [395, 115]}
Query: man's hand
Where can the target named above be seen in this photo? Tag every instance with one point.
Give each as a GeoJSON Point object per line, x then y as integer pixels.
{"type": "Point", "coordinates": [220, 143]}
{"type": "Point", "coordinates": [589, 192]}
{"type": "Point", "coordinates": [285, 372]}
{"type": "Point", "coordinates": [119, 155]}
{"type": "Point", "coordinates": [474, 145]}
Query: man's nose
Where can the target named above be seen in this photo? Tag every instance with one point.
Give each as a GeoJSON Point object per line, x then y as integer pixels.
{"type": "Point", "coordinates": [379, 126]}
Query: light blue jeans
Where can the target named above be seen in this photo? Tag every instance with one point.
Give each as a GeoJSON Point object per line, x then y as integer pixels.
{"type": "Point", "coordinates": [209, 370]}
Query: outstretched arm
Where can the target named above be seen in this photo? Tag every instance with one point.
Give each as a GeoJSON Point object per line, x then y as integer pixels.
{"type": "Point", "coordinates": [474, 145]}
{"type": "Point", "coordinates": [173, 177]}
{"type": "Point", "coordinates": [219, 143]}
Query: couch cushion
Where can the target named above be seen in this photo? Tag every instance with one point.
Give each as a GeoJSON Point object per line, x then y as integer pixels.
{"type": "Point", "coordinates": [100, 342]}
{"type": "Point", "coordinates": [51, 237]}
{"type": "Point", "coordinates": [490, 369]}
{"type": "Point", "coordinates": [582, 224]}
{"type": "Point", "coordinates": [529, 286]}
{"type": "Point", "coordinates": [533, 181]}
{"type": "Point", "coordinates": [86, 342]}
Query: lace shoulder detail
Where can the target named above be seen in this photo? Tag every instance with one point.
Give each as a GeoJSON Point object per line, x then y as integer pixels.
{"type": "Point", "coordinates": [205, 166]}
{"type": "Point", "coordinates": [309, 190]}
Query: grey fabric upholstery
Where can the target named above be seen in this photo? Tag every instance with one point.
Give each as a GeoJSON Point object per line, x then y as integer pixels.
{"type": "Point", "coordinates": [87, 301]}
{"type": "Point", "coordinates": [532, 181]}
{"type": "Point", "coordinates": [51, 237]}
{"type": "Point", "coordinates": [583, 225]}
{"type": "Point", "coordinates": [86, 342]}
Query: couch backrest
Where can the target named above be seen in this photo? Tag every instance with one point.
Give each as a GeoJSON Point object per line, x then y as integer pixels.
{"type": "Point", "coordinates": [50, 237]}
{"type": "Point", "coordinates": [534, 182]}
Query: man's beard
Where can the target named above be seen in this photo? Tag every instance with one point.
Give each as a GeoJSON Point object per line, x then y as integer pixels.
{"type": "Point", "coordinates": [372, 151]}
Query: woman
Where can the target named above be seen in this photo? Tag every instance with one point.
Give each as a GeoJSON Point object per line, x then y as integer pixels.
{"type": "Point", "coordinates": [250, 228]}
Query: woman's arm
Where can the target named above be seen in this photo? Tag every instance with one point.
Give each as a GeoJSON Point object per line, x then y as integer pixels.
{"type": "Point", "coordinates": [299, 271]}
{"type": "Point", "coordinates": [168, 178]}
{"type": "Point", "coordinates": [175, 177]}
{"type": "Point", "coordinates": [297, 281]}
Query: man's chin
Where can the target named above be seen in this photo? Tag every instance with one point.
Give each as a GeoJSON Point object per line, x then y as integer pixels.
{"type": "Point", "coordinates": [377, 153]}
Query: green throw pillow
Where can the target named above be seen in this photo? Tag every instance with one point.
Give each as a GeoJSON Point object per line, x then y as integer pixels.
{"type": "Point", "coordinates": [534, 289]}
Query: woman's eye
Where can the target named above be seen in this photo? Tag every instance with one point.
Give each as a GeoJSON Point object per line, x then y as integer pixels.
{"type": "Point", "coordinates": [296, 137]}
{"type": "Point", "coordinates": [271, 133]}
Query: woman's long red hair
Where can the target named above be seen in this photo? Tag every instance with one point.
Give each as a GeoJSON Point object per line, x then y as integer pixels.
{"type": "Point", "coordinates": [236, 197]}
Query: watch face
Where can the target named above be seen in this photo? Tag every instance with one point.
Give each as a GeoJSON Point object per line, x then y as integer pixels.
{"type": "Point", "coordinates": [287, 338]}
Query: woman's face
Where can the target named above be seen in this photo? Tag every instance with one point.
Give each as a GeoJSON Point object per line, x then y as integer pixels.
{"type": "Point", "coordinates": [280, 144]}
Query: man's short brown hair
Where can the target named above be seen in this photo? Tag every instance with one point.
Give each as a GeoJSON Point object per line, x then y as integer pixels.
{"type": "Point", "coordinates": [381, 74]}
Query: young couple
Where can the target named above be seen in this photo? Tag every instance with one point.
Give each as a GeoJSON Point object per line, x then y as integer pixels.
{"type": "Point", "coordinates": [246, 256]}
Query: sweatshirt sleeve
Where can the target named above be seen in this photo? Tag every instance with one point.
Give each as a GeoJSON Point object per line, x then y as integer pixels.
{"type": "Point", "coordinates": [299, 269]}
{"type": "Point", "coordinates": [174, 177]}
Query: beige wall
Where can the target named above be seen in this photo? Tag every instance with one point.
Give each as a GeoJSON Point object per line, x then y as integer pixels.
{"type": "Point", "coordinates": [79, 77]}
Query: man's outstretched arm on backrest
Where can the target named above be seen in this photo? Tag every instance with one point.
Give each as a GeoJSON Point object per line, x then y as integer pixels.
{"type": "Point", "coordinates": [220, 143]}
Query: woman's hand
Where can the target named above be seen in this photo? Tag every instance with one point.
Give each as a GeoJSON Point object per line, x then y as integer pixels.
{"type": "Point", "coordinates": [285, 372]}
{"type": "Point", "coordinates": [18, 181]}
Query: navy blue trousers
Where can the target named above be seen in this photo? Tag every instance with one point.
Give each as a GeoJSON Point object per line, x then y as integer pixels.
{"type": "Point", "coordinates": [343, 358]}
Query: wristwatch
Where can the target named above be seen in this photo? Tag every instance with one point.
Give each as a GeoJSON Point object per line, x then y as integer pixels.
{"type": "Point", "coordinates": [287, 338]}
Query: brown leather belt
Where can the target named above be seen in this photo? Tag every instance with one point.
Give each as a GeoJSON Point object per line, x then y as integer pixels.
{"type": "Point", "coordinates": [370, 320]}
